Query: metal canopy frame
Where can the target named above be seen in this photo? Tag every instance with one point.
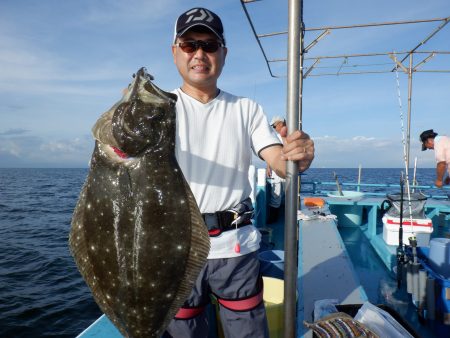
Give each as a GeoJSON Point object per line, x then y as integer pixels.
{"type": "Point", "coordinates": [296, 73]}
{"type": "Point", "coordinates": [324, 31]}
{"type": "Point", "coordinates": [311, 71]}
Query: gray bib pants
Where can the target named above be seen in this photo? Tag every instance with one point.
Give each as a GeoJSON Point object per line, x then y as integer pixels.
{"type": "Point", "coordinates": [231, 279]}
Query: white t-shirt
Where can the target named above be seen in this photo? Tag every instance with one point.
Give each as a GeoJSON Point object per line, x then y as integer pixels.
{"type": "Point", "coordinates": [213, 143]}
{"type": "Point", "coordinates": [442, 150]}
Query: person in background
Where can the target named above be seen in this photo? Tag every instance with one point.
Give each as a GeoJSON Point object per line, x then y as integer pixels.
{"type": "Point", "coordinates": [441, 146]}
{"type": "Point", "coordinates": [216, 134]}
{"type": "Point", "coordinates": [278, 123]}
{"type": "Point", "coordinates": [277, 183]}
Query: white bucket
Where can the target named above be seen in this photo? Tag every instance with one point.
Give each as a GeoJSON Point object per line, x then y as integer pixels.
{"type": "Point", "coordinates": [349, 215]}
{"type": "Point", "coordinates": [348, 195]}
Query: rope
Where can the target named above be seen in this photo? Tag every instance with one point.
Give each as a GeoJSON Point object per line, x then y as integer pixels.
{"type": "Point", "coordinates": [404, 146]}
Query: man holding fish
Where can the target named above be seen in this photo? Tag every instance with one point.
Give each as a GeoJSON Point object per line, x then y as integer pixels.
{"type": "Point", "coordinates": [216, 133]}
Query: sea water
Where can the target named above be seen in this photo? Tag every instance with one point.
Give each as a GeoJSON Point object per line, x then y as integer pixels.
{"type": "Point", "coordinates": [42, 293]}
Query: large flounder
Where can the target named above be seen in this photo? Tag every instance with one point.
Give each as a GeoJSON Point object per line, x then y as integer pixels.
{"type": "Point", "coordinates": [137, 235]}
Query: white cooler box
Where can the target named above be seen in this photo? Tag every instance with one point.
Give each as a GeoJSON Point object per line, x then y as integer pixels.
{"type": "Point", "coordinates": [421, 227]}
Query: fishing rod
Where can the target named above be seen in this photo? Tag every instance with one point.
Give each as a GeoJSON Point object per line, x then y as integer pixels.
{"type": "Point", "coordinates": [400, 249]}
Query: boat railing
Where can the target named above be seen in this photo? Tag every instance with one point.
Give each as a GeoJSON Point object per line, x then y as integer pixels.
{"type": "Point", "coordinates": [372, 189]}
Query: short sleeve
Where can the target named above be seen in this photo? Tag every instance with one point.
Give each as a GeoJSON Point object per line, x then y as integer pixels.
{"type": "Point", "coordinates": [439, 149]}
{"type": "Point", "coordinates": [262, 134]}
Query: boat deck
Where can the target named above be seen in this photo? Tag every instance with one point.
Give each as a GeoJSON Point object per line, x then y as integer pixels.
{"type": "Point", "coordinates": [101, 328]}
{"type": "Point", "coordinates": [325, 270]}
{"type": "Point", "coordinates": [384, 291]}
{"type": "Point", "coordinates": [436, 210]}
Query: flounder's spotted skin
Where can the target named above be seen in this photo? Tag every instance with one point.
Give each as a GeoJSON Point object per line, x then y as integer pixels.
{"type": "Point", "coordinates": [137, 235]}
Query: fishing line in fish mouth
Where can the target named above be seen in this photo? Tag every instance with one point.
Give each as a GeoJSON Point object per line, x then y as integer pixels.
{"type": "Point", "coordinates": [394, 56]}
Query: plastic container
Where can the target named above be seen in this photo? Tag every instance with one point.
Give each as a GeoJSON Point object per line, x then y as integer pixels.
{"type": "Point", "coordinates": [272, 263]}
{"type": "Point", "coordinates": [442, 299]}
{"type": "Point", "coordinates": [274, 303]}
{"type": "Point", "coordinates": [422, 228]}
{"type": "Point", "coordinates": [346, 194]}
{"type": "Point", "coordinates": [314, 202]}
{"type": "Point", "coordinates": [348, 215]}
{"type": "Point", "coordinates": [439, 256]}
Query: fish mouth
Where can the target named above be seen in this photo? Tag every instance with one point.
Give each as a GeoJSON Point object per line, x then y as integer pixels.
{"type": "Point", "coordinates": [144, 79]}
{"type": "Point", "coordinates": [140, 121]}
{"type": "Point", "coordinates": [150, 87]}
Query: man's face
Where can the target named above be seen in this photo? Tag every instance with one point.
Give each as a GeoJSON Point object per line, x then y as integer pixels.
{"type": "Point", "coordinates": [429, 143]}
{"type": "Point", "coordinates": [279, 126]}
{"type": "Point", "coordinates": [199, 69]}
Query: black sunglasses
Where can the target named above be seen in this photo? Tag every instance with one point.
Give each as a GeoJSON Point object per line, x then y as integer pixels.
{"type": "Point", "coordinates": [206, 46]}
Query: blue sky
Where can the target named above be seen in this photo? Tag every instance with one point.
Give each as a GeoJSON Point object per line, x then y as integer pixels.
{"type": "Point", "coordinates": [62, 63]}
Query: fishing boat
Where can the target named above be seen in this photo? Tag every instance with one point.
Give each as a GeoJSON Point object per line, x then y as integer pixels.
{"type": "Point", "coordinates": [341, 246]}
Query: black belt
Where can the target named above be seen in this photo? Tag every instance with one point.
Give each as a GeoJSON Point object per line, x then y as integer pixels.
{"type": "Point", "coordinates": [222, 221]}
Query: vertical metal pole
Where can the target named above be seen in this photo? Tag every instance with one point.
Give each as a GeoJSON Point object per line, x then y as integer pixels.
{"type": "Point", "coordinates": [300, 92]}
{"type": "Point", "coordinates": [408, 132]}
{"type": "Point", "coordinates": [291, 225]}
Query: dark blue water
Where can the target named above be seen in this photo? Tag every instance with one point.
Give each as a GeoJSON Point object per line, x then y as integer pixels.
{"type": "Point", "coordinates": [41, 292]}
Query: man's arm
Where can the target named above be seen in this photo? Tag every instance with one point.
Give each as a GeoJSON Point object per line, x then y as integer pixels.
{"type": "Point", "coordinates": [297, 147]}
{"type": "Point", "coordinates": [440, 171]}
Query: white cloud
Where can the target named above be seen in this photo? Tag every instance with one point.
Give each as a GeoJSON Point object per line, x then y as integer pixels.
{"type": "Point", "coordinates": [350, 144]}
{"type": "Point", "coordinates": [14, 131]}
{"type": "Point", "coordinates": [45, 61]}
{"type": "Point", "coordinates": [371, 152]}
{"type": "Point", "coordinates": [67, 147]}
{"type": "Point", "coordinates": [29, 150]}
{"type": "Point", "coordinates": [28, 67]}
{"type": "Point", "coordinates": [10, 147]}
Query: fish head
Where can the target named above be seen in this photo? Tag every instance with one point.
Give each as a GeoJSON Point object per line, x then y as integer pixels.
{"type": "Point", "coordinates": [145, 120]}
